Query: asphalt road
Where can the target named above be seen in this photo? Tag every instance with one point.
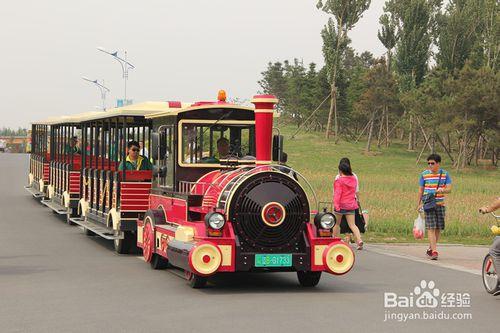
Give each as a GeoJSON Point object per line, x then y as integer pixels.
{"type": "Point", "coordinates": [55, 279]}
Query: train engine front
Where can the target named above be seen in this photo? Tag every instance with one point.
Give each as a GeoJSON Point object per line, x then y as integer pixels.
{"type": "Point", "coordinates": [248, 217]}
{"type": "Point", "coordinates": [268, 211]}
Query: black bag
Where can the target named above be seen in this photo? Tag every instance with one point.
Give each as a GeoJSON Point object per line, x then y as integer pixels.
{"type": "Point", "coordinates": [360, 223]}
{"type": "Point", "coordinates": [429, 199]}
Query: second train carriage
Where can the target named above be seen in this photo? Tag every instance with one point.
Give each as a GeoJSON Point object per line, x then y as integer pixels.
{"type": "Point", "coordinates": [111, 199]}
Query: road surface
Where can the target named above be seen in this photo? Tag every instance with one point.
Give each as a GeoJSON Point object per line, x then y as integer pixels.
{"type": "Point", "coordinates": [53, 278]}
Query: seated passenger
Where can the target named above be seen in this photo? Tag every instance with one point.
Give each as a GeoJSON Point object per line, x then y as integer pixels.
{"type": "Point", "coordinates": [134, 160]}
{"type": "Point", "coordinates": [72, 147]}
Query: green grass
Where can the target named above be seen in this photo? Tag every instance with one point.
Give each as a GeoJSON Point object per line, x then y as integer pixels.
{"type": "Point", "coordinates": [389, 184]}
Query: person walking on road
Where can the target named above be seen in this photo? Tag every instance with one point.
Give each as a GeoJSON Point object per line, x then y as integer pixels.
{"type": "Point", "coordinates": [344, 201]}
{"type": "Point", "coordinates": [434, 184]}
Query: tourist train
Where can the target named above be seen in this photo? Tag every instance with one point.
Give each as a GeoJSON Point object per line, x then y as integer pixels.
{"type": "Point", "coordinates": [210, 191]}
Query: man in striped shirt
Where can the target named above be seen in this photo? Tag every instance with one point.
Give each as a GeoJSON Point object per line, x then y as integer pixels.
{"type": "Point", "coordinates": [435, 181]}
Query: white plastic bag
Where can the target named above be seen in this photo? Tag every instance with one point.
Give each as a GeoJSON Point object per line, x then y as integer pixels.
{"type": "Point", "coordinates": [419, 227]}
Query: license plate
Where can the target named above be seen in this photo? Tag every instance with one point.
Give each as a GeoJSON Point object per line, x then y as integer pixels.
{"type": "Point", "coordinates": [273, 260]}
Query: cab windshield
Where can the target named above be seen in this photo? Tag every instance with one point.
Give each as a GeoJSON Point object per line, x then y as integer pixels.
{"type": "Point", "coordinates": [211, 143]}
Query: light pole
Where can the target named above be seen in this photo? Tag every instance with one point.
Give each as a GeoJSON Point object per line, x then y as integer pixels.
{"type": "Point", "coordinates": [125, 67]}
{"type": "Point", "coordinates": [102, 88]}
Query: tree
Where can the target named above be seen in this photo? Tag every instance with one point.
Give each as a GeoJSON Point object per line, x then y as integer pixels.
{"type": "Point", "coordinates": [273, 82]}
{"type": "Point", "coordinates": [459, 30]}
{"type": "Point", "coordinates": [346, 14]}
{"type": "Point", "coordinates": [388, 38]}
{"type": "Point", "coordinates": [416, 23]}
{"type": "Point", "coordinates": [380, 93]}
{"type": "Point", "coordinates": [491, 26]}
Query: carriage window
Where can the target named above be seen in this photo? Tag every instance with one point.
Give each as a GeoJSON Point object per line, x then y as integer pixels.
{"type": "Point", "coordinates": [166, 156]}
{"type": "Point", "coordinates": [209, 143]}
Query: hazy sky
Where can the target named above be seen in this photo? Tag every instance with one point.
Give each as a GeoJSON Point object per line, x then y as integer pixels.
{"type": "Point", "coordinates": [182, 50]}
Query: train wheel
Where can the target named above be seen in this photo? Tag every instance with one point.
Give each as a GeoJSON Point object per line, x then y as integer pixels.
{"type": "Point", "coordinates": [71, 214]}
{"type": "Point", "coordinates": [308, 279]}
{"type": "Point", "coordinates": [88, 232]}
{"type": "Point", "coordinates": [126, 245]}
{"type": "Point", "coordinates": [148, 242]}
{"type": "Point", "coordinates": [195, 281]}
{"type": "Point", "coordinates": [159, 262]}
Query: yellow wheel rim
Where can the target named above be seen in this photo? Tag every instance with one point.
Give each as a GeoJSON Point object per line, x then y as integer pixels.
{"type": "Point", "coordinates": [205, 259]}
{"type": "Point", "coordinates": [338, 258]}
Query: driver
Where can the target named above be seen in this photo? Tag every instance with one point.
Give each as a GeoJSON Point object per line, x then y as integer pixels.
{"type": "Point", "coordinates": [222, 148]}
{"type": "Point", "coordinates": [222, 151]}
{"type": "Point", "coordinates": [495, 247]}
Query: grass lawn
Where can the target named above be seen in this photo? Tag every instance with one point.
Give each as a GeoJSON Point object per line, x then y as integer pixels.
{"type": "Point", "coordinates": [389, 183]}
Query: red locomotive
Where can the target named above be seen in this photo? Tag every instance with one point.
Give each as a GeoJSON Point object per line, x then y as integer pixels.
{"type": "Point", "coordinates": [219, 204]}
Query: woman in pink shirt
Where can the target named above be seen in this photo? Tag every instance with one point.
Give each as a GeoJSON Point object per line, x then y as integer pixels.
{"type": "Point", "coordinates": [344, 201]}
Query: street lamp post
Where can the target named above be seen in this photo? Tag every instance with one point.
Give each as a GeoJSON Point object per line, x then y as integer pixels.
{"type": "Point", "coordinates": [102, 89]}
{"type": "Point", "coordinates": [126, 65]}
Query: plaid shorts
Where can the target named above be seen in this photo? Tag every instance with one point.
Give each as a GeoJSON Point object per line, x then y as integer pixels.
{"type": "Point", "coordinates": [434, 219]}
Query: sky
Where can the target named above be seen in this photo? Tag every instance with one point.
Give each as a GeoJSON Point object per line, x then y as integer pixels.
{"type": "Point", "coordinates": [181, 50]}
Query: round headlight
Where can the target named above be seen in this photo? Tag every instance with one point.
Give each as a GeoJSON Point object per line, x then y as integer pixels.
{"type": "Point", "coordinates": [215, 220]}
{"type": "Point", "coordinates": [325, 220]}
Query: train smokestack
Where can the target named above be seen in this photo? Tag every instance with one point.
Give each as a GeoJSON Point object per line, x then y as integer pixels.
{"type": "Point", "coordinates": [264, 109]}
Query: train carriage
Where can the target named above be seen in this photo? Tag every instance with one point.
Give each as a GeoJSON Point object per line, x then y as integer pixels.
{"type": "Point", "coordinates": [111, 199]}
{"type": "Point", "coordinates": [63, 189]}
{"type": "Point", "coordinates": [221, 202]}
{"type": "Point", "coordinates": [39, 175]}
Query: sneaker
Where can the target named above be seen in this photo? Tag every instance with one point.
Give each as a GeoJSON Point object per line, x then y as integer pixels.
{"type": "Point", "coordinates": [429, 252]}
{"type": "Point", "coordinates": [360, 245]}
{"type": "Point", "coordinates": [434, 255]}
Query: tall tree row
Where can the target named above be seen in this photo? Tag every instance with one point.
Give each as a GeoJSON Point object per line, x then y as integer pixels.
{"type": "Point", "coordinates": [344, 15]}
{"type": "Point", "coordinates": [437, 85]}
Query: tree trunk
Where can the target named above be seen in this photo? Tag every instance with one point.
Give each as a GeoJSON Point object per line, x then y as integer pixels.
{"type": "Point", "coordinates": [333, 97]}
{"type": "Point", "coordinates": [380, 128]}
{"type": "Point", "coordinates": [387, 128]}
{"type": "Point", "coordinates": [411, 140]}
{"type": "Point", "coordinates": [333, 100]}
{"type": "Point", "coordinates": [370, 133]}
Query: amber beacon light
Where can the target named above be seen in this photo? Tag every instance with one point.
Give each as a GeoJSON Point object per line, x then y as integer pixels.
{"type": "Point", "coordinates": [221, 96]}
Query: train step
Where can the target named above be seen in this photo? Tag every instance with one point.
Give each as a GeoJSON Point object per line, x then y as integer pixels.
{"type": "Point", "coordinates": [55, 206]}
{"type": "Point", "coordinates": [34, 192]}
{"type": "Point", "coordinates": [98, 228]}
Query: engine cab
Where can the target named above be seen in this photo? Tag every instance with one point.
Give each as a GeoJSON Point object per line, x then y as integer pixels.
{"type": "Point", "coordinates": [222, 199]}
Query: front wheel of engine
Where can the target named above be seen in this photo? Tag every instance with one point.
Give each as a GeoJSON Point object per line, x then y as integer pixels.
{"type": "Point", "coordinates": [196, 281]}
{"type": "Point", "coordinates": [159, 262]}
{"type": "Point", "coordinates": [308, 279]}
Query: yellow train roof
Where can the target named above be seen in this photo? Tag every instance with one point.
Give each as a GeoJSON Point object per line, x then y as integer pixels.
{"type": "Point", "coordinates": [191, 107]}
{"type": "Point", "coordinates": [139, 109]}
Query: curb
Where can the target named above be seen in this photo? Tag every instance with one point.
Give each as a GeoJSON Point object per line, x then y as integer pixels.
{"type": "Point", "coordinates": [424, 261]}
